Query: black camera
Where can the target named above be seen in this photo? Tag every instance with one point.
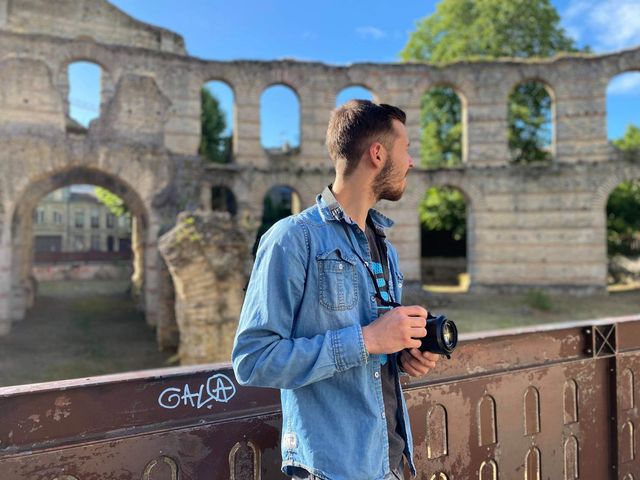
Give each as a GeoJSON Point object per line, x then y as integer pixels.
{"type": "Point", "coordinates": [442, 336]}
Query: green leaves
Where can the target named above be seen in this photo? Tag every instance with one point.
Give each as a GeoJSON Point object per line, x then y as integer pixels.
{"type": "Point", "coordinates": [444, 209]}
{"type": "Point", "coordinates": [472, 29]}
{"type": "Point", "coordinates": [113, 202]}
{"type": "Point", "coordinates": [213, 145]}
{"type": "Point", "coordinates": [623, 206]}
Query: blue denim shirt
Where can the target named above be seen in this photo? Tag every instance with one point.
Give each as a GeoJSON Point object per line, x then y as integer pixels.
{"type": "Point", "coordinates": [300, 331]}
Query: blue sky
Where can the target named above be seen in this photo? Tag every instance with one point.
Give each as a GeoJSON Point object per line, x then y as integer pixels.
{"type": "Point", "coordinates": [348, 31]}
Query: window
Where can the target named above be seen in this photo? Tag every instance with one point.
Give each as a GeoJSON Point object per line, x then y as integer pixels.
{"type": "Point", "coordinates": [95, 218]}
{"type": "Point", "coordinates": [57, 218]}
{"type": "Point", "coordinates": [78, 243]}
{"type": "Point", "coordinates": [111, 220]}
{"type": "Point", "coordinates": [79, 219]}
{"type": "Point", "coordinates": [40, 216]}
{"type": "Point", "coordinates": [95, 242]}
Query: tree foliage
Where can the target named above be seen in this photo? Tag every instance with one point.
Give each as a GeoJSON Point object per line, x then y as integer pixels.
{"type": "Point", "coordinates": [529, 119]}
{"type": "Point", "coordinates": [623, 206]}
{"type": "Point", "coordinates": [444, 210]}
{"type": "Point", "coordinates": [485, 29]}
{"type": "Point", "coordinates": [113, 202]}
{"type": "Point", "coordinates": [441, 119]}
{"type": "Point", "coordinates": [213, 145]}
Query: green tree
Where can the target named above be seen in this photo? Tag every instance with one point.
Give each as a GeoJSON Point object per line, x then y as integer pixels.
{"type": "Point", "coordinates": [113, 202]}
{"type": "Point", "coordinates": [487, 29]}
{"type": "Point", "coordinates": [630, 141]}
{"type": "Point", "coordinates": [623, 206]}
{"type": "Point", "coordinates": [213, 145]}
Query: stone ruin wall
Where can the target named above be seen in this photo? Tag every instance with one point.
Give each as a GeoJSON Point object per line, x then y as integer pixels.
{"type": "Point", "coordinates": [527, 226]}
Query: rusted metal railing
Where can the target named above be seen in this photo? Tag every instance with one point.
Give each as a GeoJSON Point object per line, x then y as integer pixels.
{"type": "Point", "coordinates": [553, 402]}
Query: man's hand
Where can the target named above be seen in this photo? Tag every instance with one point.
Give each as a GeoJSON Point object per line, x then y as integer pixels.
{"type": "Point", "coordinates": [417, 363]}
{"type": "Point", "coordinates": [397, 329]}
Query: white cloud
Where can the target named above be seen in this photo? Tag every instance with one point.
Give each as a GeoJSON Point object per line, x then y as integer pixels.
{"type": "Point", "coordinates": [371, 32]}
{"type": "Point", "coordinates": [625, 84]}
{"type": "Point", "coordinates": [605, 25]}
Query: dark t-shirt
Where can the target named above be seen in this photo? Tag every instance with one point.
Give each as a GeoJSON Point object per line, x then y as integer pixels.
{"type": "Point", "coordinates": [380, 269]}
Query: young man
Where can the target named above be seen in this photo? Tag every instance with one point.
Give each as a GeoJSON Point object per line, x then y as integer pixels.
{"type": "Point", "coordinates": [320, 320]}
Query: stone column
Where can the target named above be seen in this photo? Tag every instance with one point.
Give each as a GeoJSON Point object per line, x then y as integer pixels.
{"type": "Point", "coordinates": [209, 261]}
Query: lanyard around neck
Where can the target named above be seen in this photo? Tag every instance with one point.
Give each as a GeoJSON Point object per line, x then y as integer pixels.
{"type": "Point", "coordinates": [383, 302]}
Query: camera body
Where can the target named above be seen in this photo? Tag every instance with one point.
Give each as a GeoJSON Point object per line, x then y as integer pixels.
{"type": "Point", "coordinates": [442, 335]}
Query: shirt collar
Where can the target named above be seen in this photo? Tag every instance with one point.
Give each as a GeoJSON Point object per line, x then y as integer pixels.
{"type": "Point", "coordinates": [331, 210]}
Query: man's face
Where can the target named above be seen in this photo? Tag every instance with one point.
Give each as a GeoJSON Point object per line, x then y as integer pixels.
{"type": "Point", "coordinates": [390, 183]}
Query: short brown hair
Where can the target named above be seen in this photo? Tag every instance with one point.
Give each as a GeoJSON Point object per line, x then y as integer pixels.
{"type": "Point", "coordinates": [357, 124]}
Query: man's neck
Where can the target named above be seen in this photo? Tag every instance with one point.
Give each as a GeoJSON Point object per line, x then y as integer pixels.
{"type": "Point", "coordinates": [355, 199]}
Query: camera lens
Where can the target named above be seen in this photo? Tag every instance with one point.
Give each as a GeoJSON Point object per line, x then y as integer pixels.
{"type": "Point", "coordinates": [442, 335]}
{"type": "Point", "coordinates": [448, 335]}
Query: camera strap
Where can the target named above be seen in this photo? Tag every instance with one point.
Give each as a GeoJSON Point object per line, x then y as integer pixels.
{"type": "Point", "coordinates": [383, 302]}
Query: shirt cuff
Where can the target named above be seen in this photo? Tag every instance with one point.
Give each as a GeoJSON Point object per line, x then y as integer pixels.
{"type": "Point", "coordinates": [348, 347]}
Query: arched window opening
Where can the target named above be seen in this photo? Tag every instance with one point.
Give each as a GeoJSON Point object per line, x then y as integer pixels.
{"type": "Point", "coordinates": [223, 200]}
{"type": "Point", "coordinates": [352, 93]}
{"type": "Point", "coordinates": [84, 95]}
{"type": "Point", "coordinates": [280, 120]}
{"type": "Point", "coordinates": [530, 123]}
{"type": "Point", "coordinates": [81, 221]}
{"type": "Point", "coordinates": [441, 121]}
{"type": "Point", "coordinates": [217, 120]}
{"type": "Point", "coordinates": [623, 236]}
{"type": "Point", "coordinates": [443, 224]}
{"type": "Point", "coordinates": [623, 119]}
{"type": "Point", "coordinates": [279, 202]}
{"type": "Point", "coordinates": [77, 274]}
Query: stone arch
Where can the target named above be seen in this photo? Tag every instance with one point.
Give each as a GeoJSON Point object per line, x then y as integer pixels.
{"type": "Point", "coordinates": [231, 122]}
{"type": "Point", "coordinates": [464, 118]}
{"type": "Point", "coordinates": [550, 91]}
{"type": "Point", "coordinates": [22, 284]}
{"type": "Point", "coordinates": [223, 199]}
{"type": "Point", "coordinates": [83, 51]}
{"type": "Point", "coordinates": [346, 86]}
{"type": "Point", "coordinates": [619, 90]}
{"type": "Point", "coordinates": [296, 93]}
{"type": "Point", "coordinates": [609, 184]}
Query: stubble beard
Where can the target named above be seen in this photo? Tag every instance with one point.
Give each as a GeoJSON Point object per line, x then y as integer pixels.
{"type": "Point", "coordinates": [384, 186]}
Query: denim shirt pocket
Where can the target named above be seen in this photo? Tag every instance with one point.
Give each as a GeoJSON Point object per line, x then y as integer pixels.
{"type": "Point", "coordinates": [338, 280]}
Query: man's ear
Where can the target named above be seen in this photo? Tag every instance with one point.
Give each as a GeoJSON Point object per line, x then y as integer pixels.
{"type": "Point", "coordinates": [376, 154]}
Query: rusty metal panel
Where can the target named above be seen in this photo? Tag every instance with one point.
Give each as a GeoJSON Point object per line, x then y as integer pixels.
{"type": "Point", "coordinates": [551, 403]}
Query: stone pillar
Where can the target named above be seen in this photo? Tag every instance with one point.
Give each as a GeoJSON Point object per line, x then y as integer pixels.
{"type": "Point", "coordinates": [137, 246]}
{"type": "Point", "coordinates": [247, 148]}
{"type": "Point", "coordinates": [209, 261]}
{"type": "Point", "coordinates": [167, 332]}
{"type": "Point", "coordinates": [5, 279]}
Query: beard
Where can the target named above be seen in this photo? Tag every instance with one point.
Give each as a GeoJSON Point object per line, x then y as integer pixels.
{"type": "Point", "coordinates": [386, 186]}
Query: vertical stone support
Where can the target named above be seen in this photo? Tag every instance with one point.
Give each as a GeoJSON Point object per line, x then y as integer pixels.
{"type": "Point", "coordinates": [317, 100]}
{"type": "Point", "coordinates": [167, 332]}
{"type": "Point", "coordinates": [5, 277]}
{"type": "Point", "coordinates": [137, 246]}
{"type": "Point", "coordinates": [486, 127]}
{"type": "Point", "coordinates": [248, 149]}
{"type": "Point", "coordinates": [209, 262]}
{"type": "Point", "coordinates": [182, 130]}
{"type": "Point", "coordinates": [580, 118]}
{"type": "Point", "coordinates": [152, 280]}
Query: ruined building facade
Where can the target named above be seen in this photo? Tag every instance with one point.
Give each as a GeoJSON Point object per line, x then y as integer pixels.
{"type": "Point", "coordinates": [528, 226]}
